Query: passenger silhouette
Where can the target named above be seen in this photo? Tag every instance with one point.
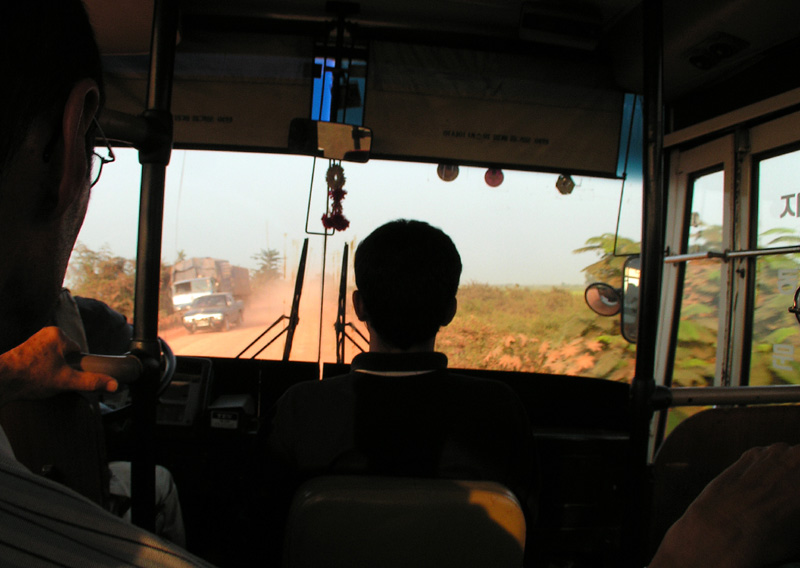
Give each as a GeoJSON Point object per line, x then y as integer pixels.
{"type": "Point", "coordinates": [51, 96]}
{"type": "Point", "coordinates": [400, 411]}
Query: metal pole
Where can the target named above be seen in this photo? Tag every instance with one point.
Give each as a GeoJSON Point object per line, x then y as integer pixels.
{"type": "Point", "coordinates": [653, 213]}
{"type": "Point", "coordinates": [154, 157]}
{"type": "Point", "coordinates": [341, 312]}
{"type": "Point", "coordinates": [338, 72]}
{"type": "Point", "coordinates": [717, 396]}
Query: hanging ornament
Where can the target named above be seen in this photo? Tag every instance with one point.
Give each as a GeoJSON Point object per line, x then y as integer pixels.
{"type": "Point", "coordinates": [447, 172]}
{"type": "Point", "coordinates": [564, 184]}
{"type": "Point", "coordinates": [335, 177]}
{"type": "Point", "coordinates": [493, 177]}
{"type": "Point", "coordinates": [335, 219]}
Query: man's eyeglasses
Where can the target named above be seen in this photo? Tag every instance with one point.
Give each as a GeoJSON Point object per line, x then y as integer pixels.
{"type": "Point", "coordinates": [97, 164]}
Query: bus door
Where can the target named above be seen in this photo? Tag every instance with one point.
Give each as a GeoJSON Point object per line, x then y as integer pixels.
{"type": "Point", "coordinates": [731, 263]}
{"type": "Point", "coordinates": [732, 269]}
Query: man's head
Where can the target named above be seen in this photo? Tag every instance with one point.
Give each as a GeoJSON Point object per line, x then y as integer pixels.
{"type": "Point", "coordinates": [407, 275]}
{"type": "Point", "coordinates": [47, 46]}
{"type": "Point", "coordinates": [52, 91]}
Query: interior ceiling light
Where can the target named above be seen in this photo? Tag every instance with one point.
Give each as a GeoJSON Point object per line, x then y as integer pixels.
{"type": "Point", "coordinates": [564, 184]}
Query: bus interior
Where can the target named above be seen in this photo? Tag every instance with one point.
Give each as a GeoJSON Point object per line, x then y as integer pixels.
{"type": "Point", "coordinates": [643, 147]}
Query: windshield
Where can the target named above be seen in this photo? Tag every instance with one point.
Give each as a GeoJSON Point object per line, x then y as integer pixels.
{"type": "Point", "coordinates": [528, 252]}
{"type": "Point", "coordinates": [208, 301]}
{"type": "Point", "coordinates": [193, 286]}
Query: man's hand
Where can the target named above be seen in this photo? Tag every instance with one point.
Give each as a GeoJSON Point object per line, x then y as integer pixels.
{"type": "Point", "coordinates": [748, 516]}
{"type": "Point", "coordinates": [38, 369]}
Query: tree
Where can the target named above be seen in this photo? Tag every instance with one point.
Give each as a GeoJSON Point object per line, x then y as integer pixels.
{"type": "Point", "coordinates": [609, 268]}
{"type": "Point", "coordinates": [101, 275]}
{"type": "Point", "coordinates": [268, 266]}
{"type": "Point", "coordinates": [165, 289]}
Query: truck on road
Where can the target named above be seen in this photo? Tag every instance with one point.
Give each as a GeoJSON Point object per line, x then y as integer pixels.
{"type": "Point", "coordinates": [214, 311]}
{"type": "Point", "coordinates": [196, 277]}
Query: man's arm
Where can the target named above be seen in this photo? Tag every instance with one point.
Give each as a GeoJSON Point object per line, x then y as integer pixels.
{"type": "Point", "coordinates": [38, 368]}
{"type": "Point", "coordinates": [748, 516]}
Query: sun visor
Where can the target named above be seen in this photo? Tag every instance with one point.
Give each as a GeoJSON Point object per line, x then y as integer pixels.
{"type": "Point", "coordinates": [421, 102]}
{"type": "Point", "coordinates": [467, 106]}
{"type": "Point", "coordinates": [233, 99]}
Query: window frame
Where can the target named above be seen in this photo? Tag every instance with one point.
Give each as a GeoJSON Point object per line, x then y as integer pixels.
{"type": "Point", "coordinates": [737, 150]}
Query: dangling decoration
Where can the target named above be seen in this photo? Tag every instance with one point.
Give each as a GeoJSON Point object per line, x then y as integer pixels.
{"type": "Point", "coordinates": [493, 177]}
{"type": "Point", "coordinates": [335, 219]}
{"type": "Point", "coordinates": [447, 172]}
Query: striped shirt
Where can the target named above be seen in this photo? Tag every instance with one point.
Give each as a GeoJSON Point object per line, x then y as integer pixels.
{"type": "Point", "coordinates": [43, 523]}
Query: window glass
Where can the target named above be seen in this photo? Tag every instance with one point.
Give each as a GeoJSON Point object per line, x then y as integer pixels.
{"type": "Point", "coordinates": [696, 348]}
{"type": "Point", "coordinates": [528, 253]}
{"type": "Point", "coordinates": [776, 334]}
{"type": "Point", "coordinates": [351, 95]}
{"type": "Point", "coordinates": [696, 351]}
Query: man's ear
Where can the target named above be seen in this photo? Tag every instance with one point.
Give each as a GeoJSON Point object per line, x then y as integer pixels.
{"type": "Point", "coordinates": [79, 111]}
{"type": "Point", "coordinates": [358, 305]}
{"type": "Point", "coordinates": [451, 312]}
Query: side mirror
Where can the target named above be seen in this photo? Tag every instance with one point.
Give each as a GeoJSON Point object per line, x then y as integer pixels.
{"type": "Point", "coordinates": [603, 299]}
{"type": "Point", "coordinates": [330, 140]}
{"type": "Point", "coordinates": [631, 274]}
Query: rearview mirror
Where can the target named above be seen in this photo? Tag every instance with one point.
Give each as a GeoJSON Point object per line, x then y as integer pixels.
{"type": "Point", "coordinates": [330, 140]}
{"type": "Point", "coordinates": [603, 299]}
{"type": "Point", "coordinates": [631, 274]}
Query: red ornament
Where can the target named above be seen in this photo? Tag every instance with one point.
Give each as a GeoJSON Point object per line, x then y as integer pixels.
{"type": "Point", "coordinates": [335, 219]}
{"type": "Point", "coordinates": [493, 177]}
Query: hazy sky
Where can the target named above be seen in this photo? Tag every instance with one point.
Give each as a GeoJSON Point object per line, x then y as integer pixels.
{"type": "Point", "coordinates": [231, 205]}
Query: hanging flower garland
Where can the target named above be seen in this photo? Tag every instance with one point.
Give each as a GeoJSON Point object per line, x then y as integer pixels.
{"type": "Point", "coordinates": [335, 219]}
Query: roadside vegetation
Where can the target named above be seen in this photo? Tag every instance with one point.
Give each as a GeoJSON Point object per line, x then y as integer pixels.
{"type": "Point", "coordinates": [102, 275]}
{"type": "Point", "coordinates": [534, 330]}
{"type": "Point", "coordinates": [550, 329]}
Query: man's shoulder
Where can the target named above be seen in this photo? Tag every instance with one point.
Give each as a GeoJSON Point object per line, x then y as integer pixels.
{"type": "Point", "coordinates": [75, 528]}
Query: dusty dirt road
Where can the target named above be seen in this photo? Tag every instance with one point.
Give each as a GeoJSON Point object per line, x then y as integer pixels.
{"type": "Point", "coordinates": [259, 314]}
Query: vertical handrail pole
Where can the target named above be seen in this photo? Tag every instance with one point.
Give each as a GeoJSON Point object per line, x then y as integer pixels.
{"type": "Point", "coordinates": [341, 312]}
{"type": "Point", "coordinates": [653, 218]}
{"type": "Point", "coordinates": [154, 157]}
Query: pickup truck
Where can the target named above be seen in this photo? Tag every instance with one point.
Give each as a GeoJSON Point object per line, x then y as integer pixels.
{"type": "Point", "coordinates": [195, 277]}
{"type": "Point", "coordinates": [214, 311]}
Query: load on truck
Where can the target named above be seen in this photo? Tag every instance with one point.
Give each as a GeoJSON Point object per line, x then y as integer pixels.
{"type": "Point", "coordinates": [196, 277]}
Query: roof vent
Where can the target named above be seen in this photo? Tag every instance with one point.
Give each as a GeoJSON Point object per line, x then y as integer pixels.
{"type": "Point", "coordinates": [714, 49]}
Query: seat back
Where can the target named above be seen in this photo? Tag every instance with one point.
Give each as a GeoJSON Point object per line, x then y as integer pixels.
{"type": "Point", "coordinates": [61, 438]}
{"type": "Point", "coordinates": [356, 521]}
{"type": "Point", "coordinates": [704, 445]}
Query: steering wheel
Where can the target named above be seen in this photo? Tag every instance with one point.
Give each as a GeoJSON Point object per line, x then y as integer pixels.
{"type": "Point", "coordinates": [167, 366]}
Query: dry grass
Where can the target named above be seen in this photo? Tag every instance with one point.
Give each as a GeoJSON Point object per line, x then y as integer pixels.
{"type": "Point", "coordinates": [534, 330]}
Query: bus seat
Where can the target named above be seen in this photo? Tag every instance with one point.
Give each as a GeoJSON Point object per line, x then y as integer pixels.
{"type": "Point", "coordinates": [62, 439]}
{"type": "Point", "coordinates": [702, 446]}
{"type": "Point", "coordinates": [355, 521]}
